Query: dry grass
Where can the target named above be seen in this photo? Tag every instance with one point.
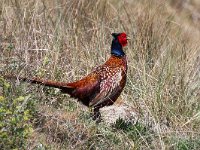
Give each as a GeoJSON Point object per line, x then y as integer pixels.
{"type": "Point", "coordinates": [64, 40]}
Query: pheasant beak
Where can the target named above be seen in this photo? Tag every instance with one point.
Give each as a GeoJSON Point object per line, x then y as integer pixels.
{"type": "Point", "coordinates": [128, 38]}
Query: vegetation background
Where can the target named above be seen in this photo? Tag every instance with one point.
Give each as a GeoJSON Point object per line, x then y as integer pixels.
{"type": "Point", "coordinates": [64, 40]}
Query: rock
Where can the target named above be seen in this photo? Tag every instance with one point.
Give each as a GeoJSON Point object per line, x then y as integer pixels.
{"type": "Point", "coordinates": [111, 114]}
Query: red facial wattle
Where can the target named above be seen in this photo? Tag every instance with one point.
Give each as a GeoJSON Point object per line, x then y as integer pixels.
{"type": "Point", "coordinates": [122, 38]}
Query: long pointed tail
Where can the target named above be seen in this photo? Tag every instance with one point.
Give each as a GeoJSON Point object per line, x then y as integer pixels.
{"type": "Point", "coordinates": [61, 85]}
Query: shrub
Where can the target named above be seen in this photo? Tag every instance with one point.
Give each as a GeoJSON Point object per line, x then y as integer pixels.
{"type": "Point", "coordinates": [16, 113]}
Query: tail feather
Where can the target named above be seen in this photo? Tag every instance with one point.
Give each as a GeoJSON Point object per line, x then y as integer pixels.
{"type": "Point", "coordinates": [55, 84]}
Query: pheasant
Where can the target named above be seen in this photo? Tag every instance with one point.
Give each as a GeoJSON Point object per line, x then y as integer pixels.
{"type": "Point", "coordinates": [102, 86]}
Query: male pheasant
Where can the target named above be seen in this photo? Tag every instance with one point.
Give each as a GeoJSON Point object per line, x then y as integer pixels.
{"type": "Point", "coordinates": [102, 86]}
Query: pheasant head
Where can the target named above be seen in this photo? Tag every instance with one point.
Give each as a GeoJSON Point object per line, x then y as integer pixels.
{"type": "Point", "coordinates": [119, 41]}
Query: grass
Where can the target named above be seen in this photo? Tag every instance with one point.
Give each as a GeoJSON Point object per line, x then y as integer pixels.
{"type": "Point", "coordinates": [65, 40]}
